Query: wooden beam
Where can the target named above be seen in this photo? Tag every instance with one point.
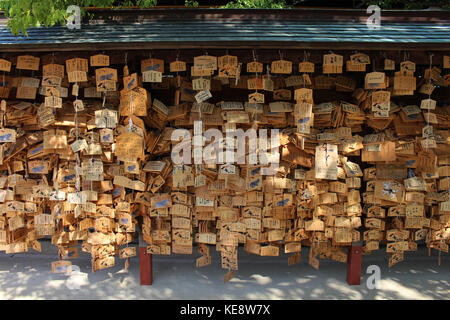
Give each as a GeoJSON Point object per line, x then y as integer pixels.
{"type": "Point", "coordinates": [145, 263]}
{"type": "Point", "coordinates": [354, 264]}
{"type": "Point", "coordinates": [265, 55]}
{"type": "Point", "coordinates": [226, 45]}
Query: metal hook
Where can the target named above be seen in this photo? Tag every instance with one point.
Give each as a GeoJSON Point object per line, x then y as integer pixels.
{"type": "Point", "coordinates": [431, 65]}
{"type": "Point", "coordinates": [306, 55]}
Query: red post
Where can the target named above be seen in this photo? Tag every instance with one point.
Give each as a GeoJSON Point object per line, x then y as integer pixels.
{"type": "Point", "coordinates": [145, 263]}
{"type": "Point", "coordinates": [354, 265]}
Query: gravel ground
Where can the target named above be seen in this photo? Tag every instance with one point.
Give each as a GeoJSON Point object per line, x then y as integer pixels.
{"type": "Point", "coordinates": [28, 276]}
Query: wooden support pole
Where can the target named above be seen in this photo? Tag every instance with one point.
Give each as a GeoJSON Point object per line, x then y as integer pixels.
{"type": "Point", "coordinates": [354, 264]}
{"type": "Point", "coordinates": [145, 263]}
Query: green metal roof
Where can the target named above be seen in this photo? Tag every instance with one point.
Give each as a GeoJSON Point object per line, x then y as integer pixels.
{"type": "Point", "coordinates": [180, 28]}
